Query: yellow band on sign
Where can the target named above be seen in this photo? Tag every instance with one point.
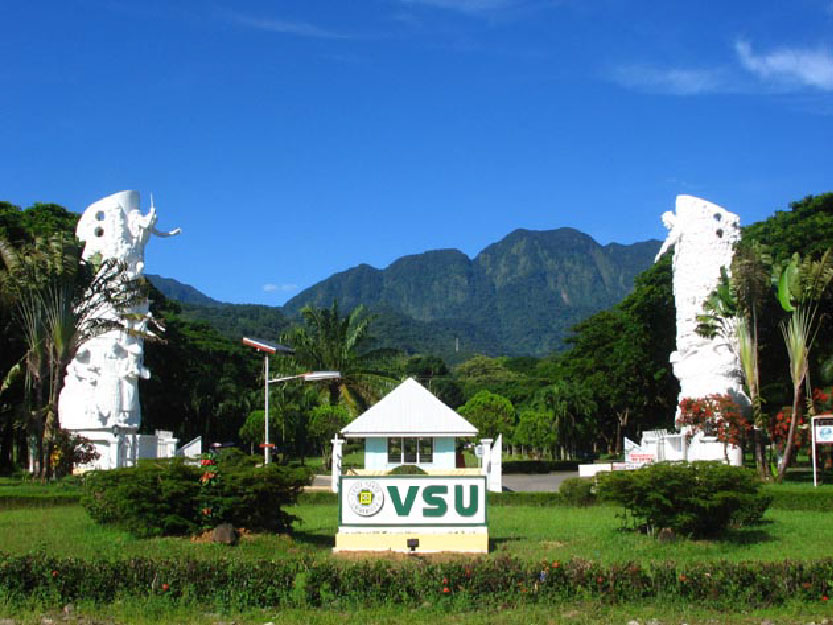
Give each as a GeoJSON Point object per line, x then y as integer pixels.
{"type": "Point", "coordinates": [426, 543]}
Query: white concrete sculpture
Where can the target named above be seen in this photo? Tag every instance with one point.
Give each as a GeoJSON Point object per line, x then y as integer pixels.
{"type": "Point", "coordinates": [100, 397]}
{"type": "Point", "coordinates": [703, 235]}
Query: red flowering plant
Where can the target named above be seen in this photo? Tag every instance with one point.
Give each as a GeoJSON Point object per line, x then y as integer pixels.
{"type": "Point", "coordinates": [208, 483]}
{"type": "Point", "coordinates": [823, 400]}
{"type": "Point", "coordinates": [780, 428]}
{"type": "Point", "coordinates": [716, 415]}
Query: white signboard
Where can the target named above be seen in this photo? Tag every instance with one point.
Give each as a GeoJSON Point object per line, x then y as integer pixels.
{"type": "Point", "coordinates": [824, 434]}
{"type": "Point", "coordinates": [822, 429]}
{"type": "Point", "coordinates": [412, 501]}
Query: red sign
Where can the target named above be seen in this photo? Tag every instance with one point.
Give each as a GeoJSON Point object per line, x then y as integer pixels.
{"type": "Point", "coordinates": [270, 445]}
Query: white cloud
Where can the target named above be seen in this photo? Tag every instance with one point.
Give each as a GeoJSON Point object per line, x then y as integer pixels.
{"type": "Point", "coordinates": [283, 27]}
{"type": "Point", "coordinates": [789, 66]}
{"type": "Point", "coordinates": [674, 81]}
{"type": "Point", "coordinates": [270, 287]}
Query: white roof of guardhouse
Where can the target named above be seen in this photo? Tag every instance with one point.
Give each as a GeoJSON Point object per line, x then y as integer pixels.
{"type": "Point", "coordinates": [409, 410]}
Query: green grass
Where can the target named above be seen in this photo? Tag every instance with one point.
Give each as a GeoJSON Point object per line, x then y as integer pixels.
{"type": "Point", "coordinates": [151, 611]}
{"type": "Point", "coordinates": [532, 533]}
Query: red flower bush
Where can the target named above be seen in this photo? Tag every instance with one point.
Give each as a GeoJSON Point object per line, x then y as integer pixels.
{"type": "Point", "coordinates": [715, 415]}
{"type": "Point", "coordinates": [780, 428]}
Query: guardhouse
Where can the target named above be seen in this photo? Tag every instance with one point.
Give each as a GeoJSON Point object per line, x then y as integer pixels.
{"type": "Point", "coordinates": [443, 511]}
{"type": "Point", "coordinates": [410, 426]}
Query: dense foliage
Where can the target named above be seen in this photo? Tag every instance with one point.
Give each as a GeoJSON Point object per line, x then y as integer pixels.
{"type": "Point", "coordinates": [307, 583]}
{"type": "Point", "coordinates": [168, 497]}
{"type": "Point", "coordinates": [693, 499]}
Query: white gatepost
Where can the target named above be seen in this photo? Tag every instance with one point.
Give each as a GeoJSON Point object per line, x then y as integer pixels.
{"type": "Point", "coordinates": [486, 468]}
{"type": "Point", "coordinates": [336, 469]}
{"type": "Point", "coordinates": [496, 457]}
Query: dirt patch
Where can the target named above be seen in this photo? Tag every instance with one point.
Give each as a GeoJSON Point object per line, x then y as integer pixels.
{"type": "Point", "coordinates": [208, 535]}
{"type": "Point", "coordinates": [553, 544]}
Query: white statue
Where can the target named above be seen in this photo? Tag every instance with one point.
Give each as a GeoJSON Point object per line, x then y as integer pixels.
{"type": "Point", "coordinates": [703, 235]}
{"type": "Point", "coordinates": [101, 385]}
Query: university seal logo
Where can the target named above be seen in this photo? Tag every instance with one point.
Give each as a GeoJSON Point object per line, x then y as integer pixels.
{"type": "Point", "coordinates": [366, 498]}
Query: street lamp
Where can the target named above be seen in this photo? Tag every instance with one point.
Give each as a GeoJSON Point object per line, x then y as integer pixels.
{"type": "Point", "coordinates": [312, 376]}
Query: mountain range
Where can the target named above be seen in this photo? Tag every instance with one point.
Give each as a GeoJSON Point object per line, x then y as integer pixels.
{"type": "Point", "coordinates": [519, 296]}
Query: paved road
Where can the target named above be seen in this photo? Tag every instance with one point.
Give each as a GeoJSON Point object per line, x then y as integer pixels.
{"type": "Point", "coordinates": [536, 482]}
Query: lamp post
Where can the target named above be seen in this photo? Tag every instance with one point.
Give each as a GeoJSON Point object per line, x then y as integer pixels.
{"type": "Point", "coordinates": [312, 376]}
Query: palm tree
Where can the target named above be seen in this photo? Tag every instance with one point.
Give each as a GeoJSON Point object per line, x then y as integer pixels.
{"type": "Point", "coordinates": [570, 406]}
{"type": "Point", "coordinates": [328, 341]}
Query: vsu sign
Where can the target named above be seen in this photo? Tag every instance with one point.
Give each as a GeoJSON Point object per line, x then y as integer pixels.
{"type": "Point", "coordinates": [412, 501]}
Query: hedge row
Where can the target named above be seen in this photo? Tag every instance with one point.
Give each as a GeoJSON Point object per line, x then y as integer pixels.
{"type": "Point", "coordinates": [799, 498]}
{"type": "Point", "coordinates": [14, 502]}
{"type": "Point", "coordinates": [503, 581]}
{"type": "Point", "coordinates": [539, 466]}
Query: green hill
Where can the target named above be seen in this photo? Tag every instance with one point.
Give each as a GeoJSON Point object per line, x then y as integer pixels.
{"type": "Point", "coordinates": [517, 297]}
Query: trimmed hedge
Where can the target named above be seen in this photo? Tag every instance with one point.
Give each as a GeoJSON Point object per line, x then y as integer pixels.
{"type": "Point", "coordinates": [539, 466]}
{"type": "Point", "coordinates": [788, 497]}
{"type": "Point", "coordinates": [306, 582]}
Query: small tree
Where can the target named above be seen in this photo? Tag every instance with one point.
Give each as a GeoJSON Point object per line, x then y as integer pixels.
{"type": "Point", "coordinates": [490, 413]}
{"type": "Point", "coordinates": [534, 430]}
{"type": "Point", "coordinates": [324, 422]}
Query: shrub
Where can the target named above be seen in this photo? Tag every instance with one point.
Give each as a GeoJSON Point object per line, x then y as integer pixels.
{"type": "Point", "coordinates": [253, 497]}
{"type": "Point", "coordinates": [407, 469]}
{"type": "Point", "coordinates": [155, 498]}
{"type": "Point", "coordinates": [578, 491]}
{"type": "Point", "coordinates": [163, 497]}
{"type": "Point", "coordinates": [694, 499]}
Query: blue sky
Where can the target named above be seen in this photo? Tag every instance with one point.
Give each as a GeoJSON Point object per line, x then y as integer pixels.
{"type": "Point", "coordinates": [293, 139]}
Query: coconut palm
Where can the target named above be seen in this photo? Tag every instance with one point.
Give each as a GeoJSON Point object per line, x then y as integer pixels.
{"type": "Point", "coordinates": [328, 341]}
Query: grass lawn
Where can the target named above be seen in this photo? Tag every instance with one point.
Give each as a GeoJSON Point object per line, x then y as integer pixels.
{"type": "Point", "coordinates": [154, 611]}
{"type": "Point", "coordinates": [532, 533]}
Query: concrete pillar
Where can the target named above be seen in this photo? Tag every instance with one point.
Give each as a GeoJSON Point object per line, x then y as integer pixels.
{"type": "Point", "coordinates": [496, 456]}
{"type": "Point", "coordinates": [337, 453]}
{"type": "Point", "coordinates": [486, 468]}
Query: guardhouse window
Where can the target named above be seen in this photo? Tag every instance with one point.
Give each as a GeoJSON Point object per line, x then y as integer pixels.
{"type": "Point", "coordinates": [409, 450]}
{"type": "Point", "coordinates": [395, 450]}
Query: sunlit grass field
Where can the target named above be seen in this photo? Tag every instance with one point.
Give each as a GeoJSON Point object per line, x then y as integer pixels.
{"type": "Point", "coordinates": [152, 611]}
{"type": "Point", "coordinates": [532, 533]}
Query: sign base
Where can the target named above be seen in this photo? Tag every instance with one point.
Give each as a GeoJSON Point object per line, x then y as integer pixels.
{"type": "Point", "coordinates": [469, 540]}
